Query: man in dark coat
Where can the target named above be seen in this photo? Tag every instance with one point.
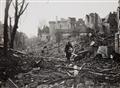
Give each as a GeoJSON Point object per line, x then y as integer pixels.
{"type": "Point", "coordinates": [68, 51]}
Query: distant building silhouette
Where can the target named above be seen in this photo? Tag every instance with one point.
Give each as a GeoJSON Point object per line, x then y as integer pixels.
{"type": "Point", "coordinates": [67, 27]}
{"type": "Point", "coordinates": [44, 33]}
{"type": "Point", "coordinates": [94, 22]}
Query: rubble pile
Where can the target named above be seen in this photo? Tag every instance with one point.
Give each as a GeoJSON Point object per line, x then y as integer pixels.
{"type": "Point", "coordinates": [52, 71]}
{"type": "Point", "coordinates": [60, 74]}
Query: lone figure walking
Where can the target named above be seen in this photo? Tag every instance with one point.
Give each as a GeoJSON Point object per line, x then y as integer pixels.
{"type": "Point", "coordinates": [68, 51]}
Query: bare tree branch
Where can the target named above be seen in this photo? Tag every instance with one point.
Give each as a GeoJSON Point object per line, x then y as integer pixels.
{"type": "Point", "coordinates": [19, 3]}
{"type": "Point", "coordinates": [7, 6]}
{"type": "Point", "coordinates": [8, 3]}
{"type": "Point", "coordinates": [16, 8]}
{"type": "Point", "coordinates": [13, 5]}
{"type": "Point", "coordinates": [23, 10]}
{"type": "Point", "coordinates": [20, 7]}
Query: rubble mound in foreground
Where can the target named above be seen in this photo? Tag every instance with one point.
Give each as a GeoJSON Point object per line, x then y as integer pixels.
{"type": "Point", "coordinates": [53, 72]}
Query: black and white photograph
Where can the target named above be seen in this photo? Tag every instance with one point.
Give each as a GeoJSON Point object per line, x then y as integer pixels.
{"type": "Point", "coordinates": [59, 43]}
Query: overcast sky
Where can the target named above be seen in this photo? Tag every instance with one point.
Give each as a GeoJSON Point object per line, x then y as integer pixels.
{"type": "Point", "coordinates": [39, 12]}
